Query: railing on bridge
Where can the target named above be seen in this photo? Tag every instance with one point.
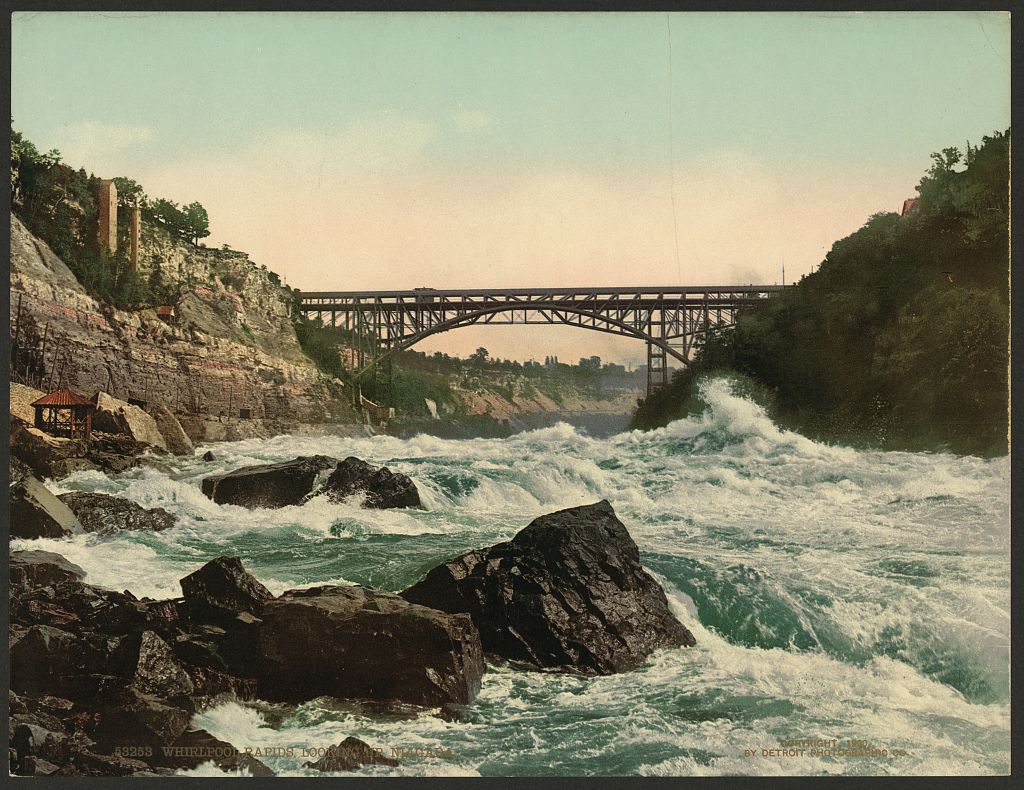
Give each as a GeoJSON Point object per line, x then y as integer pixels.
{"type": "Point", "coordinates": [672, 320]}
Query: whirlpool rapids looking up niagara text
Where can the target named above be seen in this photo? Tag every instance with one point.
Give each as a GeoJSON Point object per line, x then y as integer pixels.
{"type": "Point", "coordinates": [845, 603]}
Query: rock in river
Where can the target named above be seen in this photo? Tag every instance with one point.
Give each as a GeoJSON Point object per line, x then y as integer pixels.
{"type": "Point", "coordinates": [30, 569]}
{"type": "Point", "coordinates": [566, 592]}
{"type": "Point", "coordinates": [268, 485]}
{"type": "Point", "coordinates": [357, 643]}
{"type": "Point", "coordinates": [294, 482]}
{"type": "Point", "coordinates": [107, 514]}
{"type": "Point", "coordinates": [382, 487]}
{"type": "Point", "coordinates": [349, 755]}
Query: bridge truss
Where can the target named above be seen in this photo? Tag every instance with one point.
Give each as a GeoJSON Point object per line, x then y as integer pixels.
{"type": "Point", "coordinates": [672, 321]}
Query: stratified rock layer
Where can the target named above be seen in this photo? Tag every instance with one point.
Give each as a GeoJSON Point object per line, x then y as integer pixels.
{"type": "Point", "coordinates": [567, 592]}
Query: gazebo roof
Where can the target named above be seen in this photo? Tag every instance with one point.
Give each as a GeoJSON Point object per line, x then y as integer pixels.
{"type": "Point", "coordinates": [63, 397]}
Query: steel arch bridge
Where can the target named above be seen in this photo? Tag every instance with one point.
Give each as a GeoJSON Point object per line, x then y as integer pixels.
{"type": "Point", "coordinates": [672, 321]}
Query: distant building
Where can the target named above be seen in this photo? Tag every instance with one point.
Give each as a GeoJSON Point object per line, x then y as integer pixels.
{"type": "Point", "coordinates": [909, 205]}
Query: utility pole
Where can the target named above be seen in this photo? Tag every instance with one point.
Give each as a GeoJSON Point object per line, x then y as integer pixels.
{"type": "Point", "coordinates": [783, 272]}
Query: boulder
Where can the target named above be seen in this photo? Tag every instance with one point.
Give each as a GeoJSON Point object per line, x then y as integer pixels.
{"type": "Point", "coordinates": [22, 398]}
{"type": "Point", "coordinates": [349, 755]}
{"type": "Point", "coordinates": [37, 513]}
{"type": "Point", "coordinates": [352, 642]}
{"type": "Point", "coordinates": [45, 656]}
{"type": "Point", "coordinates": [176, 439]}
{"type": "Point", "coordinates": [382, 487]}
{"type": "Point", "coordinates": [131, 718]}
{"type": "Point", "coordinates": [53, 457]}
{"type": "Point", "coordinates": [117, 416]}
{"type": "Point", "coordinates": [268, 485]}
{"type": "Point", "coordinates": [209, 456]}
{"type": "Point", "coordinates": [108, 515]}
{"type": "Point", "coordinates": [29, 569]}
{"type": "Point", "coordinates": [223, 587]}
{"type": "Point", "coordinates": [151, 667]}
{"type": "Point", "coordinates": [567, 592]}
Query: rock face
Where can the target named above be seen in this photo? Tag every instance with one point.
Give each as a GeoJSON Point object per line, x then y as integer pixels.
{"type": "Point", "coordinates": [37, 513]}
{"type": "Point", "coordinates": [118, 416]}
{"type": "Point", "coordinates": [233, 327]}
{"type": "Point", "coordinates": [268, 485]}
{"type": "Point", "coordinates": [175, 438]}
{"type": "Point", "coordinates": [107, 515]}
{"type": "Point", "coordinates": [349, 755]}
{"type": "Point", "coordinates": [383, 488]}
{"type": "Point", "coordinates": [354, 642]}
{"type": "Point", "coordinates": [223, 586]}
{"type": "Point", "coordinates": [567, 592]}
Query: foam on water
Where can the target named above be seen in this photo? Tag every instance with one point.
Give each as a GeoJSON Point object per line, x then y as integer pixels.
{"type": "Point", "coordinates": [833, 592]}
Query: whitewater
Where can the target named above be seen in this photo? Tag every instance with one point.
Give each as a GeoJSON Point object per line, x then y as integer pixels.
{"type": "Point", "coordinates": [835, 594]}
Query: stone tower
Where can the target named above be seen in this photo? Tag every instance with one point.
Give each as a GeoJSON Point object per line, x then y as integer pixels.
{"type": "Point", "coordinates": [108, 217]}
{"type": "Point", "coordinates": [135, 227]}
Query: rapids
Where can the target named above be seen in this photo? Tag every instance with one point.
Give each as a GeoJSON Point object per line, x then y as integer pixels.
{"type": "Point", "coordinates": [834, 593]}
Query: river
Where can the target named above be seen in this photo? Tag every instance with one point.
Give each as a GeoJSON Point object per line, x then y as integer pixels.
{"type": "Point", "coordinates": [835, 594]}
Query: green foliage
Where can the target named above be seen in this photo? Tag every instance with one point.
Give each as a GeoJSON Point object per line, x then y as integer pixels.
{"type": "Point", "coordinates": [900, 338]}
{"type": "Point", "coordinates": [58, 205]}
{"type": "Point", "coordinates": [322, 344]}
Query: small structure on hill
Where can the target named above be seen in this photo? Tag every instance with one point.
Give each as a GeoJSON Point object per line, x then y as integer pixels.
{"type": "Point", "coordinates": [165, 313]}
{"type": "Point", "coordinates": [64, 413]}
{"type": "Point", "coordinates": [909, 205]}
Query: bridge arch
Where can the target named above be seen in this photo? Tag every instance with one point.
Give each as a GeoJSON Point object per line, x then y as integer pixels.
{"type": "Point", "coordinates": [610, 326]}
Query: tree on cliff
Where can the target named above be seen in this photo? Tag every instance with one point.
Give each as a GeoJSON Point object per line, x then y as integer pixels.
{"type": "Point", "coordinates": [900, 338]}
{"type": "Point", "coordinates": [197, 222]}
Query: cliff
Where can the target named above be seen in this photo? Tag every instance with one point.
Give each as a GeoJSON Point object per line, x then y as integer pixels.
{"type": "Point", "coordinates": [231, 346]}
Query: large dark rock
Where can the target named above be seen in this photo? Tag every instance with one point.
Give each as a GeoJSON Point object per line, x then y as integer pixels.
{"type": "Point", "coordinates": [223, 587]}
{"type": "Point", "coordinates": [45, 659]}
{"type": "Point", "coordinates": [108, 515]}
{"type": "Point", "coordinates": [30, 569]}
{"type": "Point", "coordinates": [567, 592]}
{"type": "Point", "coordinates": [131, 718]}
{"type": "Point", "coordinates": [151, 667]}
{"type": "Point", "coordinates": [57, 458]}
{"type": "Point", "coordinates": [268, 485]}
{"type": "Point", "coordinates": [356, 643]}
{"type": "Point", "coordinates": [83, 608]}
{"type": "Point", "coordinates": [382, 487]}
{"type": "Point", "coordinates": [350, 755]}
{"type": "Point", "coordinates": [37, 513]}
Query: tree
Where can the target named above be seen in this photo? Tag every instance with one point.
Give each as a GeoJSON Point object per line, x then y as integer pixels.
{"type": "Point", "coordinates": [479, 357]}
{"type": "Point", "coordinates": [197, 222]}
{"type": "Point", "coordinates": [129, 192]}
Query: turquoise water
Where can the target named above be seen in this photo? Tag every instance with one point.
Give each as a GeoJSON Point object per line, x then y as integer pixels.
{"type": "Point", "coordinates": [834, 594]}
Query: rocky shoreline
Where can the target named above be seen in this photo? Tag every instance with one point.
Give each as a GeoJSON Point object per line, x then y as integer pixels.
{"type": "Point", "coordinates": [107, 684]}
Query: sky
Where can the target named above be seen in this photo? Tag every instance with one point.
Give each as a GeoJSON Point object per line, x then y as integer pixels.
{"type": "Point", "coordinates": [384, 150]}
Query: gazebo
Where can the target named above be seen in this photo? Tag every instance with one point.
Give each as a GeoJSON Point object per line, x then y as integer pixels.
{"type": "Point", "coordinates": [65, 413]}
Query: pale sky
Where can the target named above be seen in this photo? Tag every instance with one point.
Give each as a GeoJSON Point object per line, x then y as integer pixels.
{"type": "Point", "coordinates": [364, 151]}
